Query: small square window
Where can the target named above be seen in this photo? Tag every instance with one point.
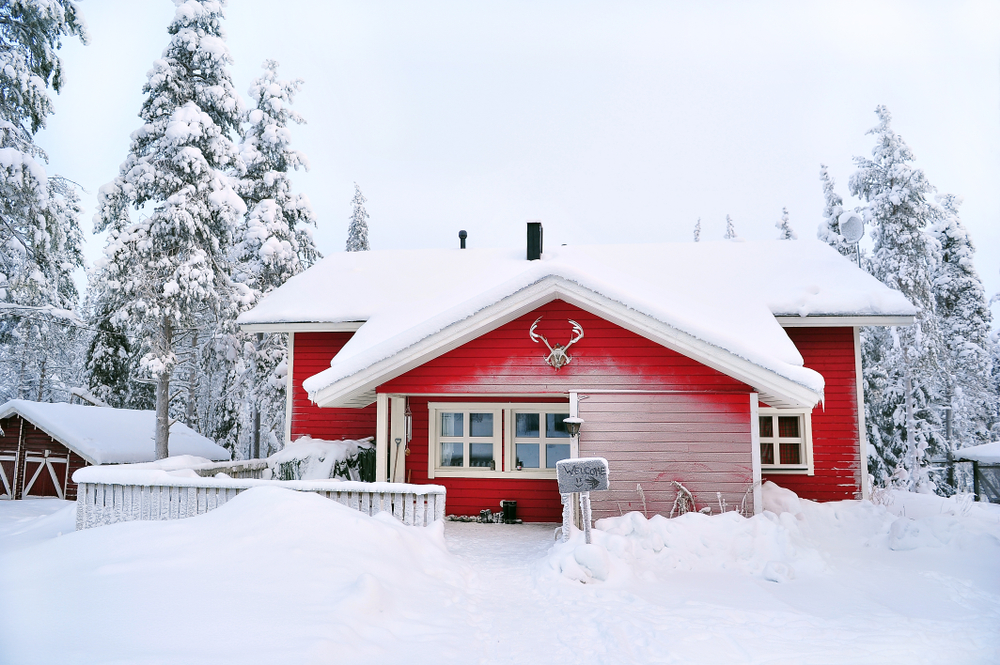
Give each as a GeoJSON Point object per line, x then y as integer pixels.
{"type": "Point", "coordinates": [452, 424]}
{"type": "Point", "coordinates": [785, 444]}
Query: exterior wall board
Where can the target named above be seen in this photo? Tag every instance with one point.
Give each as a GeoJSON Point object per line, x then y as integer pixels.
{"type": "Point", "coordinates": [313, 352]}
{"type": "Point", "coordinates": [836, 454]}
{"type": "Point", "coordinates": [651, 440]}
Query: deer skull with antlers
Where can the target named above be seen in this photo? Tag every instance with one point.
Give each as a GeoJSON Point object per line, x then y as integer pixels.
{"type": "Point", "coordinates": [557, 354]}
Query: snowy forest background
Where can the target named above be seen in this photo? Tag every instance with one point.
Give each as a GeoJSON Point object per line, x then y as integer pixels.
{"type": "Point", "coordinates": [202, 221]}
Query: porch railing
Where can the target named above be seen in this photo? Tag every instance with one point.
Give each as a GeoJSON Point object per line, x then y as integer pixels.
{"type": "Point", "coordinates": [107, 495]}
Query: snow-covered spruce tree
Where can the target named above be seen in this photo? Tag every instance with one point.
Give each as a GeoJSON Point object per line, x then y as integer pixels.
{"type": "Point", "coordinates": [274, 242]}
{"type": "Point", "coordinates": [833, 207]}
{"type": "Point", "coordinates": [697, 230]}
{"type": "Point", "coordinates": [357, 234]}
{"type": "Point", "coordinates": [39, 230]}
{"type": "Point", "coordinates": [964, 317]}
{"type": "Point", "coordinates": [785, 231]}
{"type": "Point", "coordinates": [730, 229]}
{"type": "Point", "coordinates": [903, 258]}
{"type": "Point", "coordinates": [171, 211]}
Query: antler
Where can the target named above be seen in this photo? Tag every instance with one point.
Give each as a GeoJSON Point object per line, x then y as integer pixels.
{"type": "Point", "coordinates": [538, 336]}
{"type": "Point", "coordinates": [577, 334]}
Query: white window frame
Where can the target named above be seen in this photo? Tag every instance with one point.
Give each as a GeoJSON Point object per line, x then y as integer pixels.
{"type": "Point", "coordinates": [511, 450]}
{"type": "Point", "coordinates": [504, 448]}
{"type": "Point", "coordinates": [805, 430]}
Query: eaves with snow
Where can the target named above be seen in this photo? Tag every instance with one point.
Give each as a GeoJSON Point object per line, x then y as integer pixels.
{"type": "Point", "coordinates": [721, 303]}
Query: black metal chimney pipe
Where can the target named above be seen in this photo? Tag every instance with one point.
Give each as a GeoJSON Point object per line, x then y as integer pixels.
{"type": "Point", "coordinates": [534, 241]}
{"type": "Point", "coordinates": [462, 235]}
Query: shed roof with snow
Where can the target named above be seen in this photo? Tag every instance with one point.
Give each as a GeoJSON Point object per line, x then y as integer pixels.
{"type": "Point", "coordinates": [103, 435]}
{"type": "Point", "coordinates": [721, 303]}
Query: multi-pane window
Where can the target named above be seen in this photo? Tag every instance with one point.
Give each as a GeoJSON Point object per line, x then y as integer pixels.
{"type": "Point", "coordinates": [494, 439]}
{"type": "Point", "coordinates": [784, 440]}
{"type": "Point", "coordinates": [540, 439]}
{"type": "Point", "coordinates": [467, 439]}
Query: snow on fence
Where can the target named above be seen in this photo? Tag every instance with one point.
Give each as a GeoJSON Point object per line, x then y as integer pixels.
{"type": "Point", "coordinates": [107, 495]}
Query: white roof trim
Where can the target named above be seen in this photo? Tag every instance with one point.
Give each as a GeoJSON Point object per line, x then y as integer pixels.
{"type": "Point", "coordinates": [774, 389]}
{"type": "Point", "coordinates": [302, 326]}
{"type": "Point", "coordinates": [794, 321]}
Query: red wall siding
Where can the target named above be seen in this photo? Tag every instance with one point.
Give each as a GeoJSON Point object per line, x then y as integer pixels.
{"type": "Point", "coordinates": [313, 352]}
{"type": "Point", "coordinates": [700, 440]}
{"type": "Point", "coordinates": [506, 361]}
{"type": "Point", "coordinates": [837, 463]}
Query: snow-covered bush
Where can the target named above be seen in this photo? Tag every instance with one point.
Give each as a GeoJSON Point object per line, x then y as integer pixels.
{"type": "Point", "coordinates": [307, 458]}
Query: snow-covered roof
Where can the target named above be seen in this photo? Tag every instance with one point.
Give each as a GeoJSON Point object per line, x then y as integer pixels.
{"type": "Point", "coordinates": [708, 299]}
{"type": "Point", "coordinates": [110, 436]}
{"type": "Point", "coordinates": [988, 453]}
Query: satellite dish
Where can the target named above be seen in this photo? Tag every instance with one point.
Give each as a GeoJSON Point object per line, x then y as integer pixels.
{"type": "Point", "coordinates": [852, 227]}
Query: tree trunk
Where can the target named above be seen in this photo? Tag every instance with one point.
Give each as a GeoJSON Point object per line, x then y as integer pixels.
{"type": "Point", "coordinates": [192, 382]}
{"type": "Point", "coordinates": [163, 395]}
{"type": "Point", "coordinates": [256, 400]}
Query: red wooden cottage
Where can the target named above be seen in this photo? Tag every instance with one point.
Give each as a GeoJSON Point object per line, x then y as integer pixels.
{"type": "Point", "coordinates": [42, 444]}
{"type": "Point", "coordinates": [714, 364]}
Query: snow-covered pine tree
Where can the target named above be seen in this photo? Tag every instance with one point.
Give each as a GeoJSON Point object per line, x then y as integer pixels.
{"type": "Point", "coordinates": [784, 228]}
{"type": "Point", "coordinates": [39, 231]}
{"type": "Point", "coordinates": [164, 264]}
{"type": "Point", "coordinates": [730, 229]}
{"type": "Point", "coordinates": [274, 242]}
{"type": "Point", "coordinates": [697, 230]}
{"type": "Point", "coordinates": [833, 207]}
{"type": "Point", "coordinates": [965, 318]}
{"type": "Point", "coordinates": [357, 234]}
{"type": "Point", "coordinates": [901, 360]}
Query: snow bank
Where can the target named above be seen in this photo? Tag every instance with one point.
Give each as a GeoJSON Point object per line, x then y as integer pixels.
{"type": "Point", "coordinates": [273, 576]}
{"type": "Point", "coordinates": [786, 540]}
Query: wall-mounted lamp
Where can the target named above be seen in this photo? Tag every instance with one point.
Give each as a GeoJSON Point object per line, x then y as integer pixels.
{"type": "Point", "coordinates": [408, 423]}
{"type": "Point", "coordinates": [573, 425]}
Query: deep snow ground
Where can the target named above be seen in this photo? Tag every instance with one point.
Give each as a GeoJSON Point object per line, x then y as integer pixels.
{"type": "Point", "coordinates": [275, 576]}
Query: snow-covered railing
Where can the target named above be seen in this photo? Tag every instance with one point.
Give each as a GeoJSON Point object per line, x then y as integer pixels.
{"type": "Point", "coordinates": [108, 494]}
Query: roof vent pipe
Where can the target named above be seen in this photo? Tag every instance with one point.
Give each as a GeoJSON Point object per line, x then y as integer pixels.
{"type": "Point", "coordinates": [534, 240]}
{"type": "Point", "coordinates": [462, 235]}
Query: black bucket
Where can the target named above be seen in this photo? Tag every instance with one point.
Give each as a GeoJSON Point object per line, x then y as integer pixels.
{"type": "Point", "coordinates": [509, 511]}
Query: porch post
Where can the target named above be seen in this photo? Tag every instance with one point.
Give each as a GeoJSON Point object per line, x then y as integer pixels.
{"type": "Point", "coordinates": [397, 439]}
{"type": "Point", "coordinates": [758, 494]}
{"type": "Point", "coordinates": [289, 389]}
{"type": "Point", "coordinates": [381, 436]}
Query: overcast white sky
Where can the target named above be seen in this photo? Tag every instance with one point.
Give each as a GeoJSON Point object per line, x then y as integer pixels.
{"type": "Point", "coordinates": [608, 121]}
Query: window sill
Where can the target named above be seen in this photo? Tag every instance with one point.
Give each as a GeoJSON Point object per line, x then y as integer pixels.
{"type": "Point", "coordinates": [534, 474]}
{"type": "Point", "coordinates": [784, 470]}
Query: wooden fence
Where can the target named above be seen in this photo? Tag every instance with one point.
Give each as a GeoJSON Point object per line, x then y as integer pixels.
{"type": "Point", "coordinates": [109, 500]}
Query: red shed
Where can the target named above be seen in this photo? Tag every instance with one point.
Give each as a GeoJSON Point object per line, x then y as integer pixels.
{"type": "Point", "coordinates": [42, 444]}
{"type": "Point", "coordinates": [714, 364]}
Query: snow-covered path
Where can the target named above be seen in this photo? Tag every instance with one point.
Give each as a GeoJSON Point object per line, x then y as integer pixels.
{"type": "Point", "coordinates": [278, 576]}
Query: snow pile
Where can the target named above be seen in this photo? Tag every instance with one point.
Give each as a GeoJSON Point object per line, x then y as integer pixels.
{"type": "Point", "coordinates": [307, 458]}
{"type": "Point", "coordinates": [274, 576]}
{"type": "Point", "coordinates": [787, 539]}
{"type": "Point", "coordinates": [988, 453]}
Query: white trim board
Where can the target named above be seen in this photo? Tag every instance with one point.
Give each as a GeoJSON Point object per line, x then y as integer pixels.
{"type": "Point", "coordinates": [302, 326]}
{"type": "Point", "coordinates": [791, 321]}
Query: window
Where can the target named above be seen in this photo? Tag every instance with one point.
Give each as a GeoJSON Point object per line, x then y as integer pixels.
{"type": "Point", "coordinates": [785, 441]}
{"type": "Point", "coordinates": [540, 439]}
{"type": "Point", "coordinates": [491, 439]}
{"type": "Point", "coordinates": [467, 437]}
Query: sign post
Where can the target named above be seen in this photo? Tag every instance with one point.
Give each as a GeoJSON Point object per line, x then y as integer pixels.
{"type": "Point", "coordinates": [581, 475]}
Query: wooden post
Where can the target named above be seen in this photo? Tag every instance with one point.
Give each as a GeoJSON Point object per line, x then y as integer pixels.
{"type": "Point", "coordinates": [381, 437]}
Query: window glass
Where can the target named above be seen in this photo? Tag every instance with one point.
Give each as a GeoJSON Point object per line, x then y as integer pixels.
{"type": "Point", "coordinates": [790, 453]}
{"type": "Point", "coordinates": [766, 426]}
{"type": "Point", "coordinates": [452, 424]}
{"type": "Point", "coordinates": [480, 454]}
{"type": "Point", "coordinates": [451, 454]}
{"type": "Point", "coordinates": [480, 424]}
{"type": "Point", "coordinates": [554, 425]}
{"type": "Point", "coordinates": [766, 453]}
{"type": "Point", "coordinates": [526, 425]}
{"type": "Point", "coordinates": [555, 452]}
{"type": "Point", "coordinates": [788, 426]}
{"type": "Point", "coordinates": [527, 455]}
